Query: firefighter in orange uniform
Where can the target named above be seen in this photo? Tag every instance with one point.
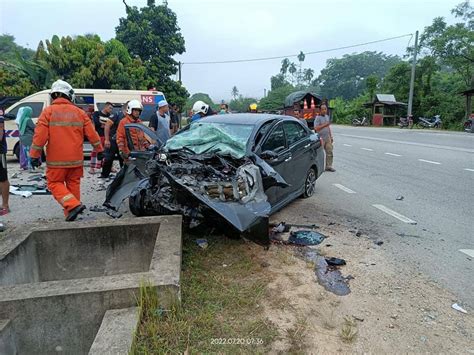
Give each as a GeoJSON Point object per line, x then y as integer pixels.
{"type": "Point", "coordinates": [61, 128]}
{"type": "Point", "coordinates": [134, 109]}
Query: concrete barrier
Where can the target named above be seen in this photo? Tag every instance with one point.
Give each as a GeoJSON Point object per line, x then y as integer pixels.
{"type": "Point", "coordinates": [56, 284]}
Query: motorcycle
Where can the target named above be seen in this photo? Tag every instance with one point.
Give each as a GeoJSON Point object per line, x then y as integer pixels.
{"type": "Point", "coordinates": [469, 125]}
{"type": "Point", "coordinates": [406, 122]}
{"type": "Point", "coordinates": [434, 122]}
{"type": "Point", "coordinates": [360, 122]}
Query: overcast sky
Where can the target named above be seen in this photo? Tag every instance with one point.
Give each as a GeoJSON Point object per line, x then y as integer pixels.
{"type": "Point", "coordinates": [217, 30]}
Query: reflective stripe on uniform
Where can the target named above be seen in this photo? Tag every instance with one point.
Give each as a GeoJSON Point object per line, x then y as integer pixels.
{"type": "Point", "coordinates": [96, 144]}
{"type": "Point", "coordinates": [36, 147]}
{"type": "Point", "coordinates": [66, 124]}
{"type": "Point", "coordinates": [66, 198]}
{"type": "Point", "coordinates": [64, 163]}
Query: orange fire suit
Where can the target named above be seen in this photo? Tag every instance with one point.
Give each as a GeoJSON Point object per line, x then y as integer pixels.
{"type": "Point", "coordinates": [62, 127]}
{"type": "Point", "coordinates": [137, 137]}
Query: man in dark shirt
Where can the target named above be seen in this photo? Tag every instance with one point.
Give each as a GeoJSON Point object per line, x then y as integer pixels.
{"type": "Point", "coordinates": [174, 118]}
{"type": "Point", "coordinates": [4, 184]}
{"type": "Point", "coordinates": [99, 118]}
{"type": "Point", "coordinates": [110, 144]}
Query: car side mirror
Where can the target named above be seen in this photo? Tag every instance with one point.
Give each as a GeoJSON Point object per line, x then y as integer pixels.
{"type": "Point", "coordinates": [268, 155]}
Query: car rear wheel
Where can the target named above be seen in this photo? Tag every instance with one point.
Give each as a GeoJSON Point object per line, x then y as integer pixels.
{"type": "Point", "coordinates": [310, 183]}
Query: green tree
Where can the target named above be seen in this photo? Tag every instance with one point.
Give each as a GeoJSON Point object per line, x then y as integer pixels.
{"type": "Point", "coordinates": [241, 104]}
{"type": "Point", "coordinates": [275, 99]}
{"type": "Point", "coordinates": [371, 83]}
{"type": "Point", "coordinates": [235, 92]}
{"type": "Point", "coordinates": [87, 62]}
{"type": "Point", "coordinates": [453, 45]}
{"type": "Point", "coordinates": [153, 35]}
{"type": "Point", "coordinates": [199, 96]}
{"type": "Point", "coordinates": [346, 77]}
{"type": "Point", "coordinates": [9, 50]}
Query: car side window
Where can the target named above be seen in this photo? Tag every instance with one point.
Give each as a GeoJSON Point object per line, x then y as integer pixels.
{"type": "Point", "coordinates": [37, 107]}
{"type": "Point", "coordinates": [294, 132]}
{"type": "Point", "coordinates": [276, 140]}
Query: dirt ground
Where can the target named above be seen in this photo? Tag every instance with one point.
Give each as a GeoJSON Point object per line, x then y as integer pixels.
{"type": "Point", "coordinates": [392, 307]}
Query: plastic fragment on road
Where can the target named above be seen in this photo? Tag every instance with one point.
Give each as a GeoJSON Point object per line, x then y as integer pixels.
{"type": "Point", "coordinates": [306, 237]}
{"type": "Point", "coordinates": [97, 208]}
{"type": "Point", "coordinates": [202, 243]}
{"type": "Point", "coordinates": [458, 308]}
{"type": "Point", "coordinates": [400, 198]}
{"type": "Point", "coordinates": [2, 227]}
{"type": "Point", "coordinates": [114, 214]}
{"type": "Point", "coordinates": [335, 261]}
{"type": "Point", "coordinates": [16, 191]}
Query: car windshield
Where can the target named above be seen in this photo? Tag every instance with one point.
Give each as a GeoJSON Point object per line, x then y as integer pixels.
{"type": "Point", "coordinates": [207, 137]}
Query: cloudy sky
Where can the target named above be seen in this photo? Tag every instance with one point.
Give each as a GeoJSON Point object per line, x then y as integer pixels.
{"type": "Point", "coordinates": [219, 30]}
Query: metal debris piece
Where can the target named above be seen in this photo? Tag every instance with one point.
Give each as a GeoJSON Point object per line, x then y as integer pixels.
{"type": "Point", "coordinates": [400, 198]}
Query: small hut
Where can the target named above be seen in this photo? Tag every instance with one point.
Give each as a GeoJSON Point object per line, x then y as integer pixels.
{"type": "Point", "coordinates": [385, 109]}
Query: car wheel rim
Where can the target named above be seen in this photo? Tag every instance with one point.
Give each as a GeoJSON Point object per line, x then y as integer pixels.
{"type": "Point", "coordinates": [310, 182]}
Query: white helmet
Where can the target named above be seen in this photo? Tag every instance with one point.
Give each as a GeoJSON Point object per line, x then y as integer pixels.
{"type": "Point", "coordinates": [62, 87]}
{"type": "Point", "coordinates": [134, 104]}
{"type": "Point", "coordinates": [200, 107]}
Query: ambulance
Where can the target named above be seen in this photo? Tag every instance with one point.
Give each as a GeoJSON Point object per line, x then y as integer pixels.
{"type": "Point", "coordinates": [89, 100]}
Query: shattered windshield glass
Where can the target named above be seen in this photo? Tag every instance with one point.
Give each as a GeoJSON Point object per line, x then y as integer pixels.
{"type": "Point", "coordinates": [208, 137]}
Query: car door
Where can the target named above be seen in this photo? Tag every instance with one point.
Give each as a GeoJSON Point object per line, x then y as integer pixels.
{"type": "Point", "coordinates": [275, 141]}
{"type": "Point", "coordinates": [296, 166]}
{"type": "Point", "coordinates": [137, 154]}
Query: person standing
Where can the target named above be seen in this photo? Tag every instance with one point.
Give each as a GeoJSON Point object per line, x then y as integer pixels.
{"type": "Point", "coordinates": [27, 130]}
{"type": "Point", "coordinates": [161, 122]}
{"type": "Point", "coordinates": [110, 144]}
{"type": "Point", "coordinates": [61, 128]}
{"type": "Point", "coordinates": [137, 137]}
{"type": "Point", "coordinates": [4, 183]}
{"type": "Point", "coordinates": [322, 124]}
{"type": "Point", "coordinates": [99, 118]}
{"type": "Point", "coordinates": [200, 110]}
{"type": "Point", "coordinates": [175, 119]}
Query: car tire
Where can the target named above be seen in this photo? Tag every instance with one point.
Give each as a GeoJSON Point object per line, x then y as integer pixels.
{"type": "Point", "coordinates": [310, 183]}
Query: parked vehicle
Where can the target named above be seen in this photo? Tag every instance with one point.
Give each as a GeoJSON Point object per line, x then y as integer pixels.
{"type": "Point", "coordinates": [406, 122]}
{"type": "Point", "coordinates": [434, 122]}
{"type": "Point", "coordinates": [236, 168]}
{"type": "Point", "coordinates": [364, 121]}
{"type": "Point", "coordinates": [306, 104]}
{"type": "Point", "coordinates": [89, 100]}
{"type": "Point", "coordinates": [469, 125]}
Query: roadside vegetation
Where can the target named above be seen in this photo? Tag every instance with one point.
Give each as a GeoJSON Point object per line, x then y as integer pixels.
{"type": "Point", "coordinates": [222, 287]}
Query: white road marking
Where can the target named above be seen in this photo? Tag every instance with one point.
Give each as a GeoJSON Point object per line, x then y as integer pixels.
{"type": "Point", "coordinates": [409, 143]}
{"type": "Point", "coordinates": [343, 188]}
{"type": "Point", "coordinates": [467, 169]}
{"type": "Point", "coordinates": [367, 149]}
{"type": "Point", "coordinates": [347, 145]}
{"type": "Point", "coordinates": [429, 161]}
{"type": "Point", "coordinates": [395, 214]}
{"type": "Point", "coordinates": [469, 252]}
{"type": "Point", "coordinates": [393, 154]}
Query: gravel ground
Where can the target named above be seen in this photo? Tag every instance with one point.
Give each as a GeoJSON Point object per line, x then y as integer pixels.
{"type": "Point", "coordinates": [44, 207]}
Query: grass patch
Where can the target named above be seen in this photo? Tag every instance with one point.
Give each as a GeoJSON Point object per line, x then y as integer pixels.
{"type": "Point", "coordinates": [349, 330]}
{"type": "Point", "coordinates": [220, 309]}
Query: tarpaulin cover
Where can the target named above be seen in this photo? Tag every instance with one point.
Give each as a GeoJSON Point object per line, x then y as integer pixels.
{"type": "Point", "coordinates": [297, 96]}
{"type": "Point", "coordinates": [213, 138]}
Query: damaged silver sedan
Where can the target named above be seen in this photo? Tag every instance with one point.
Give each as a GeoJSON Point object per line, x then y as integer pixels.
{"type": "Point", "coordinates": [231, 170]}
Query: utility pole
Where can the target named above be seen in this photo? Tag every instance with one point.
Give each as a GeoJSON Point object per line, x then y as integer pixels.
{"type": "Point", "coordinates": [264, 92]}
{"type": "Point", "coordinates": [412, 79]}
{"type": "Point", "coordinates": [179, 71]}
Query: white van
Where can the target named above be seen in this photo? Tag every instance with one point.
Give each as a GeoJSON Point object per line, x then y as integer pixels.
{"type": "Point", "coordinates": [89, 100]}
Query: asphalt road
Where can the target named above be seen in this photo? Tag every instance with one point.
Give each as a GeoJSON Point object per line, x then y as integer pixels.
{"type": "Point", "coordinates": [434, 172]}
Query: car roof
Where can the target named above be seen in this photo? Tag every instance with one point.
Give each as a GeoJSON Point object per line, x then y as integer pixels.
{"type": "Point", "coordinates": [243, 118]}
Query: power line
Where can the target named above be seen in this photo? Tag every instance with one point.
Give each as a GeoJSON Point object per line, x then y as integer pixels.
{"type": "Point", "coordinates": [295, 55]}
